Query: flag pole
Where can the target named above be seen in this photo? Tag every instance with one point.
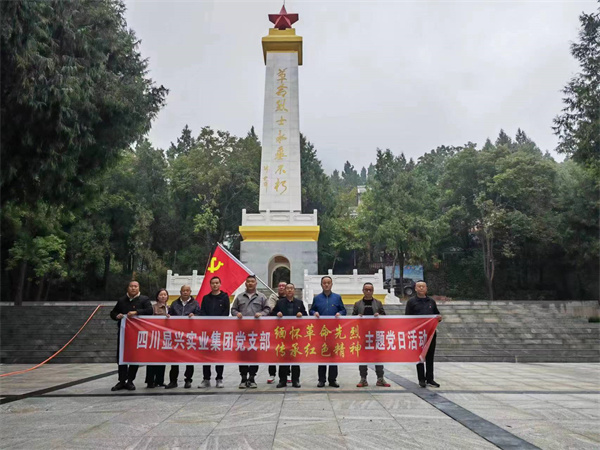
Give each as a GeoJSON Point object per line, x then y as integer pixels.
{"type": "Point", "coordinates": [265, 284]}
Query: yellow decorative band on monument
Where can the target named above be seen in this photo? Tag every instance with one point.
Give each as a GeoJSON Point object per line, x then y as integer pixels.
{"type": "Point", "coordinates": [282, 41]}
{"type": "Point", "coordinates": [271, 233]}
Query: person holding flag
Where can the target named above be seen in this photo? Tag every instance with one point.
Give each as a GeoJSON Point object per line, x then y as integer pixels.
{"type": "Point", "coordinates": [228, 268]}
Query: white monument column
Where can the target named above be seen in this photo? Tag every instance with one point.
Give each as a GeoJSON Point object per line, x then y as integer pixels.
{"type": "Point", "coordinates": [279, 235]}
{"type": "Point", "coordinates": [280, 163]}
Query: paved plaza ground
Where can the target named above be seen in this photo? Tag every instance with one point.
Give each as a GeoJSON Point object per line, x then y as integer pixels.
{"type": "Point", "coordinates": [479, 405]}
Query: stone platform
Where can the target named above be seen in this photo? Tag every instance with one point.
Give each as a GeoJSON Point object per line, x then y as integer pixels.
{"type": "Point", "coordinates": [479, 405]}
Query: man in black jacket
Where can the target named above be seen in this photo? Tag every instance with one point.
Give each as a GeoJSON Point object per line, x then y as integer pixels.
{"type": "Point", "coordinates": [214, 304]}
{"type": "Point", "coordinates": [130, 305]}
{"type": "Point", "coordinates": [289, 306]}
{"type": "Point", "coordinates": [185, 305]}
{"type": "Point", "coordinates": [421, 305]}
{"type": "Point", "coordinates": [369, 306]}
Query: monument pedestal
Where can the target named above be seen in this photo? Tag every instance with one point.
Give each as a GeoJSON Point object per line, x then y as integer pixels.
{"type": "Point", "coordinates": [276, 239]}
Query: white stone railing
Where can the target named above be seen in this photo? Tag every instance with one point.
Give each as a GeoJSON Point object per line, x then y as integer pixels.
{"type": "Point", "coordinates": [175, 281]}
{"type": "Point", "coordinates": [342, 284]}
{"type": "Point", "coordinates": [279, 218]}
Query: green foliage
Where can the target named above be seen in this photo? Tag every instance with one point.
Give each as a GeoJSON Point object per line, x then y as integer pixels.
{"type": "Point", "coordinates": [74, 93]}
{"type": "Point", "coordinates": [578, 126]}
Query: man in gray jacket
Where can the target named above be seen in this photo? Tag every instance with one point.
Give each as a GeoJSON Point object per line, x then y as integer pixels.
{"type": "Point", "coordinates": [369, 306]}
{"type": "Point", "coordinates": [250, 304]}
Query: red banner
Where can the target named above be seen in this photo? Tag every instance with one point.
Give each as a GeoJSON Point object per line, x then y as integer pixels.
{"type": "Point", "coordinates": [272, 340]}
{"type": "Point", "coordinates": [228, 268]}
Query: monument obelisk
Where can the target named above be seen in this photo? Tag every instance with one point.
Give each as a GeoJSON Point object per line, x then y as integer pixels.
{"type": "Point", "coordinates": [280, 236]}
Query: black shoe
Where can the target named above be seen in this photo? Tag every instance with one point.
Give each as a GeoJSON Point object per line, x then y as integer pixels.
{"type": "Point", "coordinates": [130, 386]}
{"type": "Point", "coordinates": [433, 383]}
{"type": "Point", "coordinates": [422, 383]}
{"type": "Point", "coordinates": [281, 384]}
{"type": "Point", "coordinates": [187, 385]}
{"type": "Point", "coordinates": [321, 384]}
{"type": "Point", "coordinates": [334, 384]}
{"type": "Point", "coordinates": [118, 387]}
{"type": "Point", "coordinates": [296, 384]}
{"type": "Point", "coordinates": [171, 385]}
{"type": "Point", "coordinates": [150, 385]}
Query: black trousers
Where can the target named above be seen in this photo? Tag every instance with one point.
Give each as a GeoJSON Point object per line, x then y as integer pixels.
{"type": "Point", "coordinates": [127, 373]}
{"type": "Point", "coordinates": [248, 372]}
{"type": "Point", "coordinates": [272, 370]}
{"type": "Point", "coordinates": [284, 372]}
{"type": "Point", "coordinates": [155, 374]}
{"type": "Point", "coordinates": [333, 373]}
{"type": "Point", "coordinates": [174, 373]}
{"type": "Point", "coordinates": [425, 371]}
{"type": "Point", "coordinates": [364, 369]}
{"type": "Point", "coordinates": [206, 372]}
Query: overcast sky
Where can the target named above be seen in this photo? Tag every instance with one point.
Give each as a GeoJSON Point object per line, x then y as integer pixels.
{"type": "Point", "coordinates": [408, 76]}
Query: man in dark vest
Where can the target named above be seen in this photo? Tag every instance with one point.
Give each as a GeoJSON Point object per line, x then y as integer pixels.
{"type": "Point", "coordinates": [131, 305]}
{"type": "Point", "coordinates": [289, 306]}
{"type": "Point", "coordinates": [369, 306]}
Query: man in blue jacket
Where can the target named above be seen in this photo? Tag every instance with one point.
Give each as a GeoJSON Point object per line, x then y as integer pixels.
{"type": "Point", "coordinates": [327, 303]}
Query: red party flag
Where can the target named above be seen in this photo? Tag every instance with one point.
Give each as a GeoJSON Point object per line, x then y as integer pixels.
{"type": "Point", "coordinates": [228, 268]}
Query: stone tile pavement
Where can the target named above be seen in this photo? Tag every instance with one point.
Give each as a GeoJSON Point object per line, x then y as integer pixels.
{"type": "Point", "coordinates": [67, 406]}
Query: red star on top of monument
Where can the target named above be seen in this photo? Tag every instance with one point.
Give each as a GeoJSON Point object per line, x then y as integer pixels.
{"type": "Point", "coordinates": [283, 20]}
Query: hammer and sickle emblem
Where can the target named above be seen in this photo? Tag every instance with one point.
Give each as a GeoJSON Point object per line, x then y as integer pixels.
{"type": "Point", "coordinates": [212, 268]}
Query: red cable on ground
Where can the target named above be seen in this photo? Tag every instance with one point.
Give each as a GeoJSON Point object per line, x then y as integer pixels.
{"type": "Point", "coordinates": [64, 346]}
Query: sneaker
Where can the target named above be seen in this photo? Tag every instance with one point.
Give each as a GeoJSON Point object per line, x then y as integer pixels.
{"type": "Point", "coordinates": [296, 384]}
{"type": "Point", "coordinates": [187, 385]}
{"type": "Point", "coordinates": [321, 384]}
{"type": "Point", "coordinates": [206, 383]}
{"type": "Point", "coordinates": [270, 379]}
{"type": "Point", "coordinates": [433, 383]}
{"type": "Point", "coordinates": [171, 385]}
{"type": "Point", "coordinates": [130, 386]}
{"type": "Point", "coordinates": [334, 384]}
{"type": "Point", "coordinates": [281, 385]}
{"type": "Point", "coordinates": [422, 383]}
{"type": "Point", "coordinates": [251, 384]}
{"type": "Point", "coordinates": [219, 384]}
{"type": "Point", "coordinates": [243, 384]}
{"type": "Point", "coordinates": [382, 382]}
{"type": "Point", "coordinates": [362, 383]}
{"type": "Point", "coordinates": [118, 387]}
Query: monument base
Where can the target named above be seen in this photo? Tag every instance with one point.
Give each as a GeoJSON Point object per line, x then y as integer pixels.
{"type": "Point", "coordinates": [264, 258]}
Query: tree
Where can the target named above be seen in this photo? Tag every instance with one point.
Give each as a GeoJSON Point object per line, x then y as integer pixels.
{"type": "Point", "coordinates": [392, 215]}
{"type": "Point", "coordinates": [74, 92]}
{"type": "Point", "coordinates": [578, 126]}
{"type": "Point", "coordinates": [503, 195]}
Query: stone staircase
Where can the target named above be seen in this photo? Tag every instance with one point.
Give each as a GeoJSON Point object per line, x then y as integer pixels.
{"type": "Point", "coordinates": [515, 331]}
{"type": "Point", "coordinates": [472, 331]}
